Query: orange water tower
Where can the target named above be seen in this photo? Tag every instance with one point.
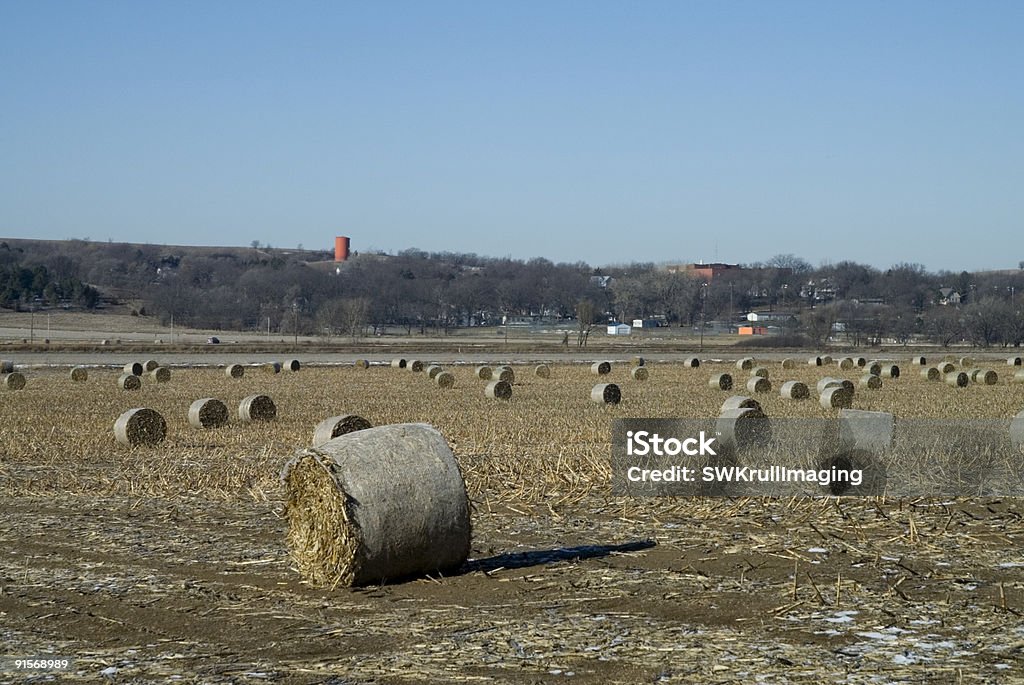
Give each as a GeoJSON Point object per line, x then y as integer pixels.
{"type": "Point", "coordinates": [341, 244]}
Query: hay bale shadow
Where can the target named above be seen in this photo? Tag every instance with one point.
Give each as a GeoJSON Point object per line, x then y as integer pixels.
{"type": "Point", "coordinates": [540, 557]}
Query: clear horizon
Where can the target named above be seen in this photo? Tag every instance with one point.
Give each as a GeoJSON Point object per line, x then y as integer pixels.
{"type": "Point", "coordinates": [598, 132]}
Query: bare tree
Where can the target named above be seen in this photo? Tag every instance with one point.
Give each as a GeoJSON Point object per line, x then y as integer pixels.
{"type": "Point", "coordinates": [584, 321]}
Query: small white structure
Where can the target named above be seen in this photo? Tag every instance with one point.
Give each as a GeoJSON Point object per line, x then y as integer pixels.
{"type": "Point", "coordinates": [619, 329]}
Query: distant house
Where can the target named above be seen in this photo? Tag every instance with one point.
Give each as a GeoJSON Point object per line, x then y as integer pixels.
{"type": "Point", "coordinates": [601, 281]}
{"type": "Point", "coordinates": [949, 296]}
{"type": "Point", "coordinates": [619, 329]}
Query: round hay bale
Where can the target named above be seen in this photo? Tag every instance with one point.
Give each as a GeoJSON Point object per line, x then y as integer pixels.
{"type": "Point", "coordinates": [957, 379]}
{"type": "Point", "coordinates": [795, 390]}
{"type": "Point", "coordinates": [890, 371]}
{"type": "Point", "coordinates": [234, 371]}
{"type": "Point", "coordinates": [946, 367]}
{"type": "Point", "coordinates": [740, 402]}
{"type": "Point", "coordinates": [745, 364]}
{"type": "Point", "coordinates": [129, 381]}
{"type": "Point", "coordinates": [601, 368]}
{"type": "Point", "coordinates": [160, 374]}
{"type": "Point", "coordinates": [150, 365]}
{"type": "Point", "coordinates": [826, 360]}
{"type": "Point", "coordinates": [444, 380]}
{"type": "Point", "coordinates": [292, 365]}
{"type": "Point", "coordinates": [985, 377]}
{"type": "Point", "coordinates": [691, 363]}
{"type": "Point", "coordinates": [332, 427]}
{"type": "Point", "coordinates": [7, 366]}
{"type": "Point", "coordinates": [362, 364]}
{"type": "Point", "coordinates": [79, 374]}
{"type": "Point", "coordinates": [759, 384]}
{"type": "Point", "coordinates": [208, 412]}
{"type": "Point", "coordinates": [14, 380]}
{"type": "Point", "coordinates": [931, 373]}
{"type": "Point", "coordinates": [814, 361]}
{"type": "Point", "coordinates": [376, 505]}
{"type": "Point", "coordinates": [544, 371]}
{"type": "Point", "coordinates": [257, 408]}
{"type": "Point", "coordinates": [759, 371]}
{"type": "Point", "coordinates": [743, 428]}
{"type": "Point", "coordinates": [871, 381]}
{"type": "Point", "coordinates": [639, 373]}
{"type": "Point", "coordinates": [433, 370]}
{"type": "Point", "coordinates": [498, 390]}
{"type": "Point", "coordinates": [966, 362]}
{"type": "Point", "coordinates": [874, 368]}
{"type": "Point", "coordinates": [484, 373]}
{"type": "Point", "coordinates": [637, 361]}
{"type": "Point", "coordinates": [860, 362]}
{"type": "Point", "coordinates": [414, 365]}
{"type": "Point", "coordinates": [1014, 361]}
{"type": "Point", "coordinates": [919, 361]}
{"type": "Point", "coordinates": [837, 397]}
{"type": "Point", "coordinates": [846, 363]}
{"type": "Point", "coordinates": [827, 382]}
{"type": "Point", "coordinates": [272, 367]}
{"type": "Point", "coordinates": [142, 426]}
{"type": "Point", "coordinates": [788, 364]}
{"type": "Point", "coordinates": [505, 373]}
{"type": "Point", "coordinates": [606, 393]}
{"type": "Point", "coordinates": [398, 363]}
{"type": "Point", "coordinates": [1019, 377]}
{"type": "Point", "coordinates": [721, 381]}
{"type": "Point", "coordinates": [134, 368]}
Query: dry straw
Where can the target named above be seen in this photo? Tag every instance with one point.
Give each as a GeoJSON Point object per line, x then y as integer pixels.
{"type": "Point", "coordinates": [606, 393]}
{"type": "Point", "coordinates": [141, 426]}
{"type": "Point", "coordinates": [601, 368]}
{"type": "Point", "coordinates": [544, 371]}
{"type": "Point", "coordinates": [760, 385]}
{"type": "Point", "coordinates": [292, 365]}
{"type": "Point", "coordinates": [498, 390]}
{"type": "Point", "coordinates": [376, 505]}
{"type": "Point", "coordinates": [639, 373]}
{"type": "Point", "coordinates": [484, 373]}
{"type": "Point", "coordinates": [208, 412]}
{"type": "Point", "coordinates": [257, 408]}
{"type": "Point", "coordinates": [129, 381]}
{"type": "Point", "coordinates": [150, 365]}
{"type": "Point", "coordinates": [134, 368]}
{"type": "Point", "coordinates": [161, 374]}
{"type": "Point", "coordinates": [79, 374]}
{"type": "Point", "coordinates": [332, 427]}
{"type": "Point", "coordinates": [795, 390]}
{"type": "Point", "coordinates": [721, 381]}
{"type": "Point", "coordinates": [13, 380]}
{"type": "Point", "coordinates": [445, 380]}
{"type": "Point", "coordinates": [234, 371]}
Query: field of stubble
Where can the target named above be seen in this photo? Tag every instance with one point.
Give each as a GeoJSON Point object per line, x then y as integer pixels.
{"type": "Point", "coordinates": [168, 564]}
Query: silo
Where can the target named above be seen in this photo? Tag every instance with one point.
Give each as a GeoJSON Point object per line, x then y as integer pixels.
{"type": "Point", "coordinates": [341, 244]}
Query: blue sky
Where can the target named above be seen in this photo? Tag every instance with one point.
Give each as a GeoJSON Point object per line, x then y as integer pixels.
{"type": "Point", "coordinates": [606, 132]}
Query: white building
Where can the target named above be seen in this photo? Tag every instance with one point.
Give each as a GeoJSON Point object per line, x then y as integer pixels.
{"type": "Point", "coordinates": [619, 329]}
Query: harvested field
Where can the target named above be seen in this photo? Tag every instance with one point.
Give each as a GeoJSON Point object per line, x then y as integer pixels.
{"type": "Point", "coordinates": [171, 560]}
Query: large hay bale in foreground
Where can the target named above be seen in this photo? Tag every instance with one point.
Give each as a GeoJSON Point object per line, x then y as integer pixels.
{"type": "Point", "coordinates": [957, 379]}
{"type": "Point", "coordinates": [601, 368]}
{"type": "Point", "coordinates": [721, 381]}
{"type": "Point", "coordinates": [931, 373]}
{"type": "Point", "coordinates": [742, 429]}
{"type": "Point", "coordinates": [433, 370]}
{"type": "Point", "coordinates": [871, 381]}
{"type": "Point", "coordinates": [544, 371]}
{"type": "Point", "coordinates": [484, 373]}
{"type": "Point", "coordinates": [257, 408]}
{"type": "Point", "coordinates": [639, 373]}
{"type": "Point", "coordinates": [142, 426]}
{"type": "Point", "coordinates": [745, 364]}
{"type": "Point", "coordinates": [739, 402]}
{"type": "Point", "coordinates": [606, 393]}
{"type": "Point", "coordinates": [134, 368]}
{"type": "Point", "coordinates": [498, 390]}
{"type": "Point", "coordinates": [79, 374]}
{"type": "Point", "coordinates": [757, 384]}
{"type": "Point", "coordinates": [208, 412]}
{"type": "Point", "coordinates": [376, 505]}
{"type": "Point", "coordinates": [292, 365]}
{"type": "Point", "coordinates": [129, 381]}
{"type": "Point", "coordinates": [837, 397]}
{"type": "Point", "coordinates": [150, 365]}
{"type": "Point", "coordinates": [414, 365]}
{"type": "Point", "coordinates": [445, 380]}
{"type": "Point", "coordinates": [13, 380]}
{"type": "Point", "coordinates": [691, 363]}
{"type": "Point", "coordinates": [398, 363]}
{"type": "Point", "coordinates": [332, 427]}
{"type": "Point", "coordinates": [234, 371]}
{"type": "Point", "coordinates": [160, 374]}
{"type": "Point", "coordinates": [795, 390]}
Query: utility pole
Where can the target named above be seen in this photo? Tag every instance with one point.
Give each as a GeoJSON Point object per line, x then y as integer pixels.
{"type": "Point", "coordinates": [703, 305]}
